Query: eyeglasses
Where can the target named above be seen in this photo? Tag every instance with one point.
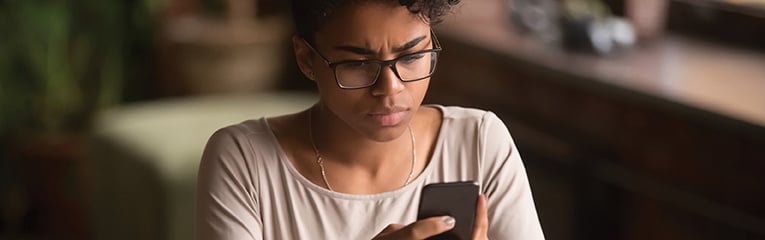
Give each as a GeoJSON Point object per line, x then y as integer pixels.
{"type": "Point", "coordinates": [355, 74]}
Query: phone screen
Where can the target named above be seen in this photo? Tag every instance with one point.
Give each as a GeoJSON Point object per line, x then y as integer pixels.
{"type": "Point", "coordinates": [456, 199]}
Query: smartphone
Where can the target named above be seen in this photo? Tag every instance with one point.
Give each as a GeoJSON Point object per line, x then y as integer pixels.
{"type": "Point", "coordinates": [456, 199]}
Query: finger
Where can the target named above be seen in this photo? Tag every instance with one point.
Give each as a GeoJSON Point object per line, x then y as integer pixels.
{"type": "Point", "coordinates": [427, 227]}
{"type": "Point", "coordinates": [481, 228]}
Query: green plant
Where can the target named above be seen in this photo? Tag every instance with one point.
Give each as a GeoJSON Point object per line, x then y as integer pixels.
{"type": "Point", "coordinates": [61, 60]}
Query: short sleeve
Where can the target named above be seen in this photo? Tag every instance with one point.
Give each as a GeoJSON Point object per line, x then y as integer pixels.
{"type": "Point", "coordinates": [226, 202]}
{"type": "Point", "coordinates": [512, 214]}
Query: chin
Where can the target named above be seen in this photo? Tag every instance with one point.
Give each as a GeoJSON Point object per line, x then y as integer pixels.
{"type": "Point", "coordinates": [387, 133]}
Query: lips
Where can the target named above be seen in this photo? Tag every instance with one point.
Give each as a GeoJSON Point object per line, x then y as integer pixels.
{"type": "Point", "coordinates": [388, 116]}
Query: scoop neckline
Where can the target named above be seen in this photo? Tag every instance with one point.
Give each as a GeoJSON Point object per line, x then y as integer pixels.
{"type": "Point", "coordinates": [414, 184]}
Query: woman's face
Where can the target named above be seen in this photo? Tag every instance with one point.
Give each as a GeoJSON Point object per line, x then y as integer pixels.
{"type": "Point", "coordinates": [371, 30]}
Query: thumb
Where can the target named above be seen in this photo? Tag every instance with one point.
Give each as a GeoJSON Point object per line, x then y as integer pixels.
{"type": "Point", "coordinates": [428, 227]}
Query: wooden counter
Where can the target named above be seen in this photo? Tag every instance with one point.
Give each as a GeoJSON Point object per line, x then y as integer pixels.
{"type": "Point", "coordinates": [659, 142]}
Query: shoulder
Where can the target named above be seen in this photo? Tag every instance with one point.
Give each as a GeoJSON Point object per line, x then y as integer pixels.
{"type": "Point", "coordinates": [462, 113]}
{"type": "Point", "coordinates": [238, 153]}
{"type": "Point", "coordinates": [242, 131]}
{"type": "Point", "coordinates": [476, 129]}
{"type": "Point", "coordinates": [477, 119]}
{"type": "Point", "coordinates": [241, 141]}
{"type": "Point", "coordinates": [490, 136]}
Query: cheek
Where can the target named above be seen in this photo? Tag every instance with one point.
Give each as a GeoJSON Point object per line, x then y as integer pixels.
{"type": "Point", "coordinates": [325, 80]}
{"type": "Point", "coordinates": [419, 89]}
{"type": "Point", "coordinates": [343, 101]}
{"type": "Point", "coordinates": [340, 101]}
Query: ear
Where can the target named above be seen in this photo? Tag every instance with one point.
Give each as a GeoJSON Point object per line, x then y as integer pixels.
{"type": "Point", "coordinates": [304, 57]}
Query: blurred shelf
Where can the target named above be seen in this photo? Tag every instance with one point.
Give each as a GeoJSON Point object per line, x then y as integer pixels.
{"type": "Point", "coordinates": [713, 82]}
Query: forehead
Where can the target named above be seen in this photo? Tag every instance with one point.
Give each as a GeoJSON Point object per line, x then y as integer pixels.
{"type": "Point", "coordinates": [370, 21]}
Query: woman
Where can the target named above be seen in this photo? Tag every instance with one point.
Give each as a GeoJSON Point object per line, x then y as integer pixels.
{"type": "Point", "coordinates": [353, 165]}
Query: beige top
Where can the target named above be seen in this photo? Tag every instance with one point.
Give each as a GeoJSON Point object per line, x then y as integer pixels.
{"type": "Point", "coordinates": [248, 189]}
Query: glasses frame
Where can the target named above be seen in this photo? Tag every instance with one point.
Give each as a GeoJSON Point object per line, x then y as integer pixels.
{"type": "Point", "coordinates": [436, 48]}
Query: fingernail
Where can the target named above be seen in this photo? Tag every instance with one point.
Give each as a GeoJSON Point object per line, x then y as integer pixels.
{"type": "Point", "coordinates": [449, 221]}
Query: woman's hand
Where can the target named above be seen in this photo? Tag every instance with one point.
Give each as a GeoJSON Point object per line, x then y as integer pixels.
{"type": "Point", "coordinates": [429, 227]}
{"type": "Point", "coordinates": [421, 229]}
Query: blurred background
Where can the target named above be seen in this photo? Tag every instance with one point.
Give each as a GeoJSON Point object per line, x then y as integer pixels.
{"type": "Point", "coordinates": [637, 119]}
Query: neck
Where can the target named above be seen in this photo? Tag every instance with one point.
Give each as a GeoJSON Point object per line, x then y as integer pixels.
{"type": "Point", "coordinates": [340, 144]}
{"type": "Point", "coordinates": [364, 170]}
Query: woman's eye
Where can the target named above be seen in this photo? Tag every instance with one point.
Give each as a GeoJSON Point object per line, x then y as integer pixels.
{"type": "Point", "coordinates": [412, 58]}
{"type": "Point", "coordinates": [354, 64]}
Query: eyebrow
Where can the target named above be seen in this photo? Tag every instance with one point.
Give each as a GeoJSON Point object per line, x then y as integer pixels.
{"type": "Point", "coordinates": [365, 51]}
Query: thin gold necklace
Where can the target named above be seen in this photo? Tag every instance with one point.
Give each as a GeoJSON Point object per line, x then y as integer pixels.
{"type": "Point", "coordinates": [320, 160]}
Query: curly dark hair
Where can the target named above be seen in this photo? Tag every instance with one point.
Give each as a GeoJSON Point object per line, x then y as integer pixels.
{"type": "Point", "coordinates": [309, 15]}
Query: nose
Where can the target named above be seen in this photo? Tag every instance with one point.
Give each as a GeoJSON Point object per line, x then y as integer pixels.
{"type": "Point", "coordinates": [387, 83]}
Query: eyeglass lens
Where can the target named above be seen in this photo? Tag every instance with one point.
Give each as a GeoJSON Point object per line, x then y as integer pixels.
{"type": "Point", "coordinates": [364, 73]}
